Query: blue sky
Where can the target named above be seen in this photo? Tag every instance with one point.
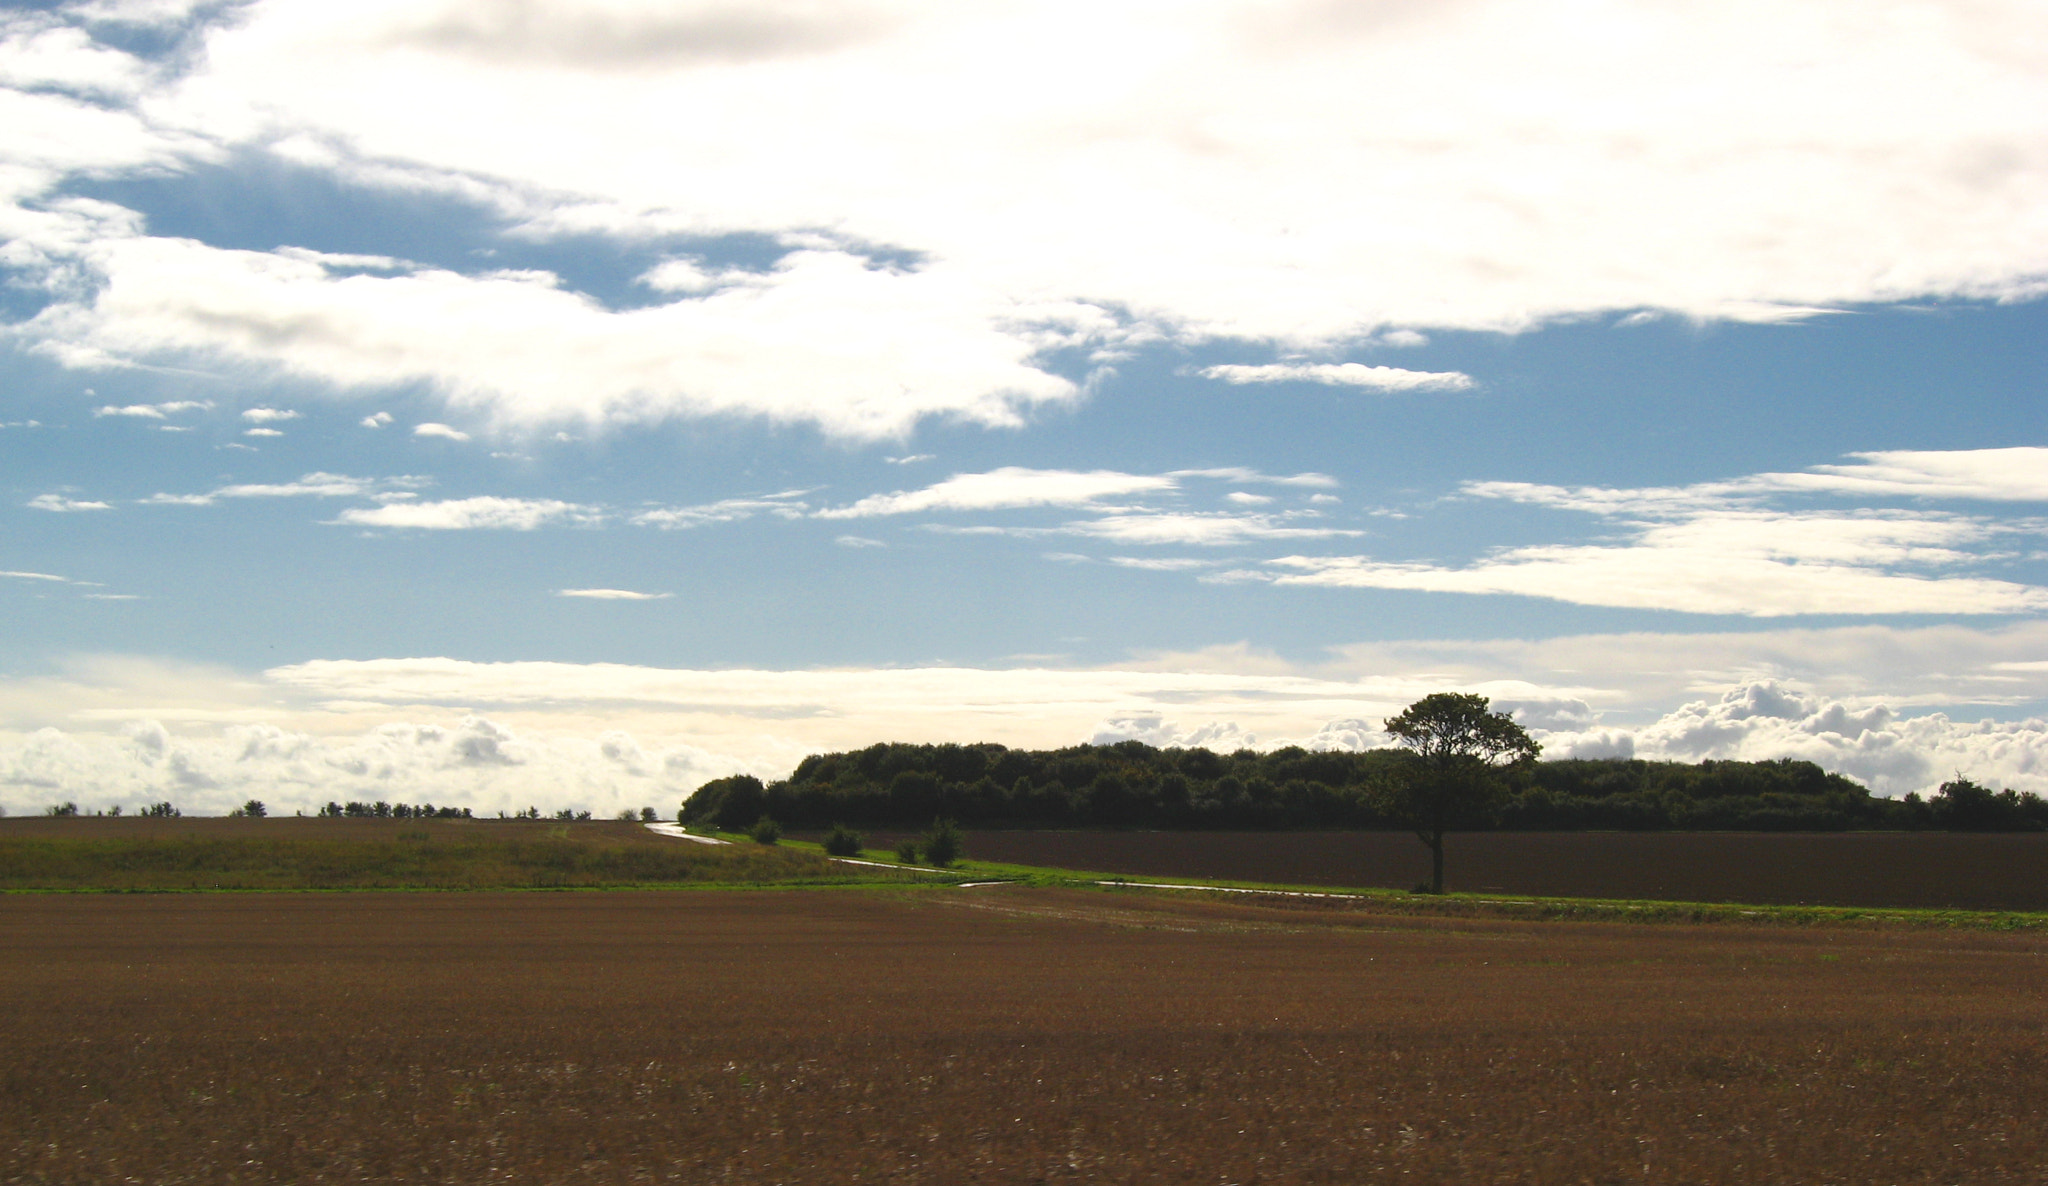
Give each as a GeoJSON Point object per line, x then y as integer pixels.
{"type": "Point", "coordinates": [497, 403]}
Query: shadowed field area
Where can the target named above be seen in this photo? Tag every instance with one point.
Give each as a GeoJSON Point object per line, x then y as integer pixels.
{"type": "Point", "coordinates": [1934, 870]}
{"type": "Point", "coordinates": [997, 1035]}
{"type": "Point", "coordinates": [235, 854]}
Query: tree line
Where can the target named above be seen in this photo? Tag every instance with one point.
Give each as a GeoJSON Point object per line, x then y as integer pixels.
{"type": "Point", "coordinates": [1133, 785]}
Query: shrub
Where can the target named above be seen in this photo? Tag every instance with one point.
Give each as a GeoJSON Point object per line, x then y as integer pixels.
{"type": "Point", "coordinates": [843, 841]}
{"type": "Point", "coordinates": [942, 844]}
{"type": "Point", "coordinates": [765, 831]}
{"type": "Point", "coordinates": [907, 852]}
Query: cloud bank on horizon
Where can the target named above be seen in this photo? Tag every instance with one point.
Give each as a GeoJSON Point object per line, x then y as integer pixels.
{"type": "Point", "coordinates": [834, 369]}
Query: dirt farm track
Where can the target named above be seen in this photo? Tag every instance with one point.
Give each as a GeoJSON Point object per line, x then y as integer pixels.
{"type": "Point", "coordinates": [1005, 1035]}
{"type": "Point", "coordinates": [1969, 871]}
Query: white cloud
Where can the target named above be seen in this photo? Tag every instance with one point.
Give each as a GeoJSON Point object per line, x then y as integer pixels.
{"type": "Point", "coordinates": [1199, 529]}
{"type": "Point", "coordinates": [858, 541]}
{"type": "Point", "coordinates": [1756, 565]}
{"type": "Point", "coordinates": [1723, 548]}
{"type": "Point", "coordinates": [1243, 476]}
{"type": "Point", "coordinates": [468, 514]}
{"type": "Point", "coordinates": [1007, 488]}
{"type": "Point", "coordinates": [1348, 374]}
{"type": "Point", "coordinates": [268, 415]}
{"type": "Point", "coordinates": [1243, 499]}
{"type": "Point", "coordinates": [2016, 474]}
{"type": "Point", "coordinates": [34, 576]}
{"type": "Point", "coordinates": [313, 485]}
{"type": "Point", "coordinates": [151, 411]}
{"type": "Point", "coordinates": [1160, 563]}
{"type": "Point", "coordinates": [57, 502]}
{"type": "Point", "coordinates": [1477, 165]}
{"type": "Point", "coordinates": [612, 594]}
{"type": "Point", "coordinates": [496, 735]}
{"type": "Point", "coordinates": [37, 52]}
{"type": "Point", "coordinates": [439, 430]}
{"type": "Point", "coordinates": [261, 432]}
{"type": "Point", "coordinates": [912, 459]}
{"type": "Point", "coordinates": [730, 510]}
{"type": "Point", "coordinates": [376, 420]}
{"type": "Point", "coordinates": [824, 338]}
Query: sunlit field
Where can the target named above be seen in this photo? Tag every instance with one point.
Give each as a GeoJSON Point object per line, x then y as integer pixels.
{"type": "Point", "coordinates": [1000, 1034]}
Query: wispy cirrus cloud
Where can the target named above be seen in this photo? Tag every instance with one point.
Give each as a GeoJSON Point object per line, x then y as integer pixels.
{"type": "Point", "coordinates": [313, 485]}
{"type": "Point", "coordinates": [612, 595]}
{"type": "Point", "coordinates": [1734, 548]}
{"type": "Point", "coordinates": [1344, 374]}
{"type": "Point", "coordinates": [63, 504]}
{"type": "Point", "coordinates": [152, 411]}
{"type": "Point", "coordinates": [483, 513]}
{"type": "Point", "coordinates": [1008, 488]}
{"type": "Point", "coordinates": [785, 505]}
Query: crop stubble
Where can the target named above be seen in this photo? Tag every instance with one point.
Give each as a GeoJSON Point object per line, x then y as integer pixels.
{"type": "Point", "coordinates": [999, 1035]}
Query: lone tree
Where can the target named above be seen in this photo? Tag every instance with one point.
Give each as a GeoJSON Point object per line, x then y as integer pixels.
{"type": "Point", "coordinates": [1458, 748]}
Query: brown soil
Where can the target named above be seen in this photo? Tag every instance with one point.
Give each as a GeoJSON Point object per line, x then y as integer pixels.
{"type": "Point", "coordinates": [996, 1035]}
{"type": "Point", "coordinates": [1968, 871]}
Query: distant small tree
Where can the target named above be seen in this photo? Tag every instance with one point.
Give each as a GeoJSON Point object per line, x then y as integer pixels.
{"type": "Point", "coordinates": [943, 844]}
{"type": "Point", "coordinates": [906, 852]}
{"type": "Point", "coordinates": [161, 811]}
{"type": "Point", "coordinates": [647, 815]}
{"type": "Point", "coordinates": [63, 809]}
{"type": "Point", "coordinates": [254, 809]}
{"type": "Point", "coordinates": [114, 810]}
{"type": "Point", "coordinates": [843, 841]}
{"type": "Point", "coordinates": [1457, 748]}
{"type": "Point", "coordinates": [765, 831]}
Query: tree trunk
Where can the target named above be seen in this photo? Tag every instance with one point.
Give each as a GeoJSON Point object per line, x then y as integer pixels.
{"type": "Point", "coordinates": [1436, 856]}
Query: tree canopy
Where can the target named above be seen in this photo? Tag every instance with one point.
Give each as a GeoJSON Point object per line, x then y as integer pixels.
{"type": "Point", "coordinates": [1457, 746]}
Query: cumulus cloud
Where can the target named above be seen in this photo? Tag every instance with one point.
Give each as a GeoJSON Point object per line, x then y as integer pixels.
{"type": "Point", "coordinates": [261, 432]}
{"type": "Point", "coordinates": [500, 735]}
{"type": "Point", "coordinates": [376, 420]}
{"type": "Point", "coordinates": [1347, 374]}
{"type": "Point", "coordinates": [268, 415]}
{"type": "Point", "coordinates": [1480, 165]}
{"type": "Point", "coordinates": [472, 761]}
{"type": "Point", "coordinates": [467, 514]}
{"type": "Point", "coordinates": [431, 429]}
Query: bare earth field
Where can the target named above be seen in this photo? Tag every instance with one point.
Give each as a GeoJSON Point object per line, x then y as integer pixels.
{"type": "Point", "coordinates": [1967, 871]}
{"type": "Point", "coordinates": [995, 1035]}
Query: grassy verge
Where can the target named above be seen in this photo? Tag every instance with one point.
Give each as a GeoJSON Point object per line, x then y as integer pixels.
{"type": "Point", "coordinates": [424, 854]}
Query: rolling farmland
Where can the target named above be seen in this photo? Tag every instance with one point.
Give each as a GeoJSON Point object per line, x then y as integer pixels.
{"type": "Point", "coordinates": [1004, 1034]}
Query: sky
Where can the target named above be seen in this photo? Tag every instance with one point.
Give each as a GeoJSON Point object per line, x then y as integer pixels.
{"type": "Point", "coordinates": [565, 402]}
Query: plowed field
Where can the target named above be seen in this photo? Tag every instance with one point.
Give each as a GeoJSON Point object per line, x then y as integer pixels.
{"type": "Point", "coordinates": [1900, 869]}
{"type": "Point", "coordinates": [994, 1035]}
